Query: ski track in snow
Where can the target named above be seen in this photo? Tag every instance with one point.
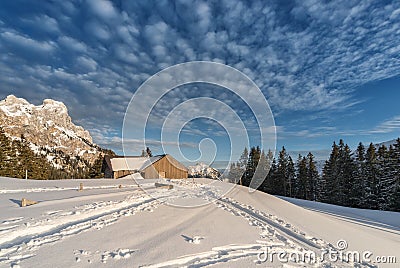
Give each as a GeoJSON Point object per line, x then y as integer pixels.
{"type": "Point", "coordinates": [13, 220]}
{"type": "Point", "coordinates": [23, 242]}
{"type": "Point", "coordinates": [57, 189]}
{"type": "Point", "coordinates": [271, 225]}
{"type": "Point", "coordinates": [360, 220]}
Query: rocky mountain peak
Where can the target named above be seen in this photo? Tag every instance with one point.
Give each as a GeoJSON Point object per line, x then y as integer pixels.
{"type": "Point", "coordinates": [57, 106]}
{"type": "Point", "coordinates": [11, 99]}
{"type": "Point", "coordinates": [46, 126]}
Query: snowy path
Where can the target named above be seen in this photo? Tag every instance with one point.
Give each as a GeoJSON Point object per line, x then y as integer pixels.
{"type": "Point", "coordinates": [287, 233]}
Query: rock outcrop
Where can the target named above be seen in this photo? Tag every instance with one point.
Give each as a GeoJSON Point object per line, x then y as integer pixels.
{"type": "Point", "coordinates": [48, 129]}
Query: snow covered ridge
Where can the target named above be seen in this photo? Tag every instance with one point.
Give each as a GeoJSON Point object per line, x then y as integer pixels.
{"type": "Point", "coordinates": [47, 127]}
{"type": "Point", "coordinates": [201, 170]}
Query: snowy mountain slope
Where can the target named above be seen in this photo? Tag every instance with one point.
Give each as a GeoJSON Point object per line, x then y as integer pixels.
{"type": "Point", "coordinates": [386, 143]}
{"type": "Point", "coordinates": [201, 170]}
{"type": "Point", "coordinates": [47, 127]}
{"type": "Point", "coordinates": [375, 218]}
{"type": "Point", "coordinates": [111, 226]}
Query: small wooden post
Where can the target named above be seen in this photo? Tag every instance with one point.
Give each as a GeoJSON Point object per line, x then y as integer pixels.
{"type": "Point", "coordinates": [80, 187]}
{"type": "Point", "coordinates": [25, 202]}
{"type": "Point", "coordinates": [120, 186]}
{"type": "Point", "coordinates": [26, 174]}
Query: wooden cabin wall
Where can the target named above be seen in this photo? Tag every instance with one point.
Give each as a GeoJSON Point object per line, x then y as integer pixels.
{"type": "Point", "coordinates": [164, 165]}
{"type": "Point", "coordinates": [121, 173]}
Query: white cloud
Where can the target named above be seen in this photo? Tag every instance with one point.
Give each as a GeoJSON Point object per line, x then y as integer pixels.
{"type": "Point", "coordinates": [72, 44]}
{"type": "Point", "coordinates": [204, 13]}
{"type": "Point", "coordinates": [103, 8]}
{"type": "Point", "coordinates": [28, 43]}
{"type": "Point", "coordinates": [48, 23]}
{"type": "Point", "coordinates": [69, 7]}
{"type": "Point", "coordinates": [395, 14]}
{"type": "Point", "coordinates": [43, 22]}
{"type": "Point", "coordinates": [86, 64]}
{"type": "Point", "coordinates": [133, 145]}
{"type": "Point", "coordinates": [98, 30]}
{"type": "Point", "coordinates": [126, 54]}
{"type": "Point", "coordinates": [388, 126]}
{"type": "Point", "coordinates": [311, 59]}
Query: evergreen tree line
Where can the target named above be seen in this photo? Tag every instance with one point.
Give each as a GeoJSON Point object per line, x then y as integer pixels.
{"type": "Point", "coordinates": [18, 160]}
{"type": "Point", "coordinates": [366, 178]}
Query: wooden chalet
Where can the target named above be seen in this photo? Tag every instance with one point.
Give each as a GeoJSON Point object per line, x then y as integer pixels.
{"type": "Point", "coordinates": [160, 166]}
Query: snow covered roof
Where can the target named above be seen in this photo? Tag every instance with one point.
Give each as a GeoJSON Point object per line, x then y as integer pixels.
{"type": "Point", "coordinates": [132, 162]}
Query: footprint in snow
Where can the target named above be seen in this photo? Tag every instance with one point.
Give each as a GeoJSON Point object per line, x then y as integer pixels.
{"type": "Point", "coordinates": [7, 228]}
{"type": "Point", "coordinates": [117, 255]}
{"type": "Point", "coordinates": [52, 212]}
{"type": "Point", "coordinates": [193, 240]}
{"type": "Point", "coordinates": [12, 220]}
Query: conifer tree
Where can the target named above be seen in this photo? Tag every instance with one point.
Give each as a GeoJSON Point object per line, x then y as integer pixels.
{"type": "Point", "coordinates": [312, 177]}
{"type": "Point", "coordinates": [358, 187]}
{"type": "Point", "coordinates": [395, 169]}
{"type": "Point", "coordinates": [371, 171]}
{"type": "Point", "coordinates": [267, 184]}
{"type": "Point", "coordinates": [95, 169]}
{"type": "Point", "coordinates": [386, 179]}
{"type": "Point", "coordinates": [148, 152]}
{"type": "Point", "coordinates": [347, 174]}
{"type": "Point", "coordinates": [270, 184]}
{"type": "Point", "coordinates": [262, 170]}
{"type": "Point", "coordinates": [321, 192]}
{"type": "Point", "coordinates": [291, 177]}
{"type": "Point", "coordinates": [301, 177]}
{"type": "Point", "coordinates": [254, 157]}
{"type": "Point", "coordinates": [270, 158]}
{"type": "Point", "coordinates": [285, 173]}
{"type": "Point", "coordinates": [242, 165]}
{"type": "Point", "coordinates": [6, 155]}
{"type": "Point", "coordinates": [330, 174]}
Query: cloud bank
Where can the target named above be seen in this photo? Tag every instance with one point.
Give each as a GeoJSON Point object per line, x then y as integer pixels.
{"type": "Point", "coordinates": [304, 55]}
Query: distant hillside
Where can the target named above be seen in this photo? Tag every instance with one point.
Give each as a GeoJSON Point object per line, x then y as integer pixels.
{"type": "Point", "coordinates": [386, 143]}
{"type": "Point", "coordinates": [48, 132]}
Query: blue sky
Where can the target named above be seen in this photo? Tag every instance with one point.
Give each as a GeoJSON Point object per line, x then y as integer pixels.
{"type": "Point", "coordinates": [329, 69]}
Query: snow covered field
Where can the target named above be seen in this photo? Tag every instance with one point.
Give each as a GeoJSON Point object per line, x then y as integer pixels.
{"type": "Point", "coordinates": [114, 223]}
{"type": "Point", "coordinates": [385, 220]}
